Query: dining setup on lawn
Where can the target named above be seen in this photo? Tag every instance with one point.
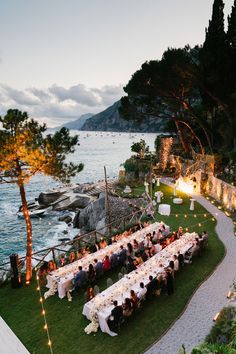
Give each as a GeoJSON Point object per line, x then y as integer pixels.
{"type": "Point", "coordinates": [60, 280]}
{"type": "Point", "coordinates": [99, 308]}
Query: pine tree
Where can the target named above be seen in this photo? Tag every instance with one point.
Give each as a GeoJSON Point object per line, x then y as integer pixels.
{"type": "Point", "coordinates": [215, 34]}
{"type": "Point", "coordinates": [24, 152]}
{"type": "Point", "coordinates": [231, 33]}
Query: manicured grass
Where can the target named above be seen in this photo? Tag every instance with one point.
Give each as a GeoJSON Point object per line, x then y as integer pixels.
{"type": "Point", "coordinates": [21, 308]}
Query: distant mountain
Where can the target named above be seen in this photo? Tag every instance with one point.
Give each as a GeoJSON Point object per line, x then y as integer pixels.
{"type": "Point", "coordinates": [78, 123]}
{"type": "Point", "coordinates": [110, 120]}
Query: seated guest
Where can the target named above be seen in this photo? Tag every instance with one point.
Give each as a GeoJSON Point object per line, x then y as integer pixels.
{"type": "Point", "coordinates": [106, 264]}
{"type": "Point", "coordinates": [142, 292]}
{"type": "Point", "coordinates": [127, 307]}
{"type": "Point", "coordinates": [51, 266]}
{"type": "Point", "coordinates": [152, 286]}
{"type": "Point", "coordinates": [147, 241]}
{"type": "Point", "coordinates": [103, 243]}
{"type": "Point", "coordinates": [116, 315]}
{"type": "Point", "coordinates": [96, 247]}
{"type": "Point", "coordinates": [181, 259]}
{"type": "Point", "coordinates": [91, 274]}
{"type": "Point", "coordinates": [159, 234]}
{"type": "Point", "coordinates": [153, 250]}
{"type": "Point", "coordinates": [134, 299]}
{"type": "Point", "coordinates": [205, 236]}
{"type": "Point", "coordinates": [62, 261]}
{"type": "Point", "coordinates": [138, 259]}
{"type": "Point", "coordinates": [89, 293]}
{"type": "Point", "coordinates": [80, 278]}
{"type": "Point", "coordinates": [136, 246]}
{"type": "Point", "coordinates": [165, 231]}
{"type": "Point", "coordinates": [130, 251]}
{"type": "Point", "coordinates": [141, 247]}
{"type": "Point", "coordinates": [196, 248]}
{"type": "Point", "coordinates": [130, 264]}
{"type": "Point", "coordinates": [87, 250]}
{"type": "Point", "coordinates": [201, 242]}
{"type": "Point", "coordinates": [98, 268]}
{"type": "Point", "coordinates": [154, 236]}
{"type": "Point", "coordinates": [176, 263]}
{"type": "Point", "coordinates": [114, 260]}
{"type": "Point", "coordinates": [122, 255]}
{"type": "Point", "coordinates": [72, 257]}
{"type": "Point", "coordinates": [158, 247]}
{"type": "Point", "coordinates": [179, 232]}
{"type": "Point", "coordinates": [145, 255]}
{"type": "Point", "coordinates": [114, 239]}
{"type": "Point", "coordinates": [80, 254]}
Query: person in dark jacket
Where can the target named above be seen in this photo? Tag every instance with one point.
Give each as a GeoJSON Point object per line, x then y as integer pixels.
{"type": "Point", "coordinates": [116, 315]}
{"type": "Point", "coordinates": [80, 279]}
{"type": "Point", "coordinates": [98, 268]}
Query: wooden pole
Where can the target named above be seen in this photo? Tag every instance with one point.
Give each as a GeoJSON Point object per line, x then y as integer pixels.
{"type": "Point", "coordinates": [107, 204]}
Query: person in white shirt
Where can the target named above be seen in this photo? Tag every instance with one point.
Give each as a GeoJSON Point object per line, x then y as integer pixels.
{"type": "Point", "coordinates": [142, 292]}
{"type": "Point", "coordinates": [176, 263]}
{"type": "Point", "coordinates": [158, 247]}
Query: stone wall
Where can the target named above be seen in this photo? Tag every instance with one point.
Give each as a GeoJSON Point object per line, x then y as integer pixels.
{"type": "Point", "coordinates": [221, 191]}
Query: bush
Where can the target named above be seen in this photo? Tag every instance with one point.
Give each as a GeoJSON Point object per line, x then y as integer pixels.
{"type": "Point", "coordinates": [222, 330]}
{"type": "Point", "coordinates": [207, 348]}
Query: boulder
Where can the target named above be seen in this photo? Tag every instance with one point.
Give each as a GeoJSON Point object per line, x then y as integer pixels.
{"type": "Point", "coordinates": [66, 218]}
{"type": "Point", "coordinates": [72, 202]}
{"type": "Point", "coordinates": [47, 198]}
{"type": "Point", "coordinates": [92, 215]}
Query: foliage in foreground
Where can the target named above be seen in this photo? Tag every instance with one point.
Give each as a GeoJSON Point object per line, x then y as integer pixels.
{"type": "Point", "coordinates": [221, 338]}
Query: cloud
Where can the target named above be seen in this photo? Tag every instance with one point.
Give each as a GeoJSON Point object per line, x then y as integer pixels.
{"type": "Point", "coordinates": [20, 97]}
{"type": "Point", "coordinates": [78, 93]}
{"type": "Point", "coordinates": [56, 105]}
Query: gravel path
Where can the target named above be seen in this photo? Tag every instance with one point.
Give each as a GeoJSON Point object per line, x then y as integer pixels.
{"type": "Point", "coordinates": [195, 323]}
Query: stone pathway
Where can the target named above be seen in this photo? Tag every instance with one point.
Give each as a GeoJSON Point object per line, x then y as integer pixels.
{"type": "Point", "coordinates": [195, 323]}
{"type": "Point", "coordinates": [9, 342]}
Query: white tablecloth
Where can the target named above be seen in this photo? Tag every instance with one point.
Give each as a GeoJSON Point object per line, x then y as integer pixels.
{"type": "Point", "coordinates": [121, 289]}
{"type": "Point", "coordinates": [62, 277]}
{"type": "Point", "coordinates": [164, 209]}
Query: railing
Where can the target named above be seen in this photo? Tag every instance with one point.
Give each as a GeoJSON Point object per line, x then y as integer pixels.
{"type": "Point", "coordinates": [88, 238]}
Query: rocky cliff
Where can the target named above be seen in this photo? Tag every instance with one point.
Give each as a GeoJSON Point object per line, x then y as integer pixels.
{"type": "Point", "coordinates": [111, 120]}
{"type": "Point", "coordinates": [78, 123]}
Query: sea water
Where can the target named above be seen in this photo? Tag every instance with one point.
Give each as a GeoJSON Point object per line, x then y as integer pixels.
{"type": "Point", "coordinates": [95, 150]}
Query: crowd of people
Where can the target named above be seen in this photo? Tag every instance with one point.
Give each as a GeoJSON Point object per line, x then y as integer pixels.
{"type": "Point", "coordinates": [163, 283]}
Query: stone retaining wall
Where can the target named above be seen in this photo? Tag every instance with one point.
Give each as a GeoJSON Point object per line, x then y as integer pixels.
{"type": "Point", "coordinates": [222, 192]}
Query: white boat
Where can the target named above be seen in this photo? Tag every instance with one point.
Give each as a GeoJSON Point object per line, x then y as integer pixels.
{"type": "Point", "coordinates": [32, 213]}
{"type": "Point", "coordinates": [35, 210]}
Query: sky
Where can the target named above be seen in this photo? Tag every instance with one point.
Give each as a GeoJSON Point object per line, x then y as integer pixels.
{"type": "Point", "coordinates": [60, 59]}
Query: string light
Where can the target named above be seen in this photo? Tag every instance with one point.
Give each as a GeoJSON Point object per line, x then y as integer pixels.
{"type": "Point", "coordinates": [45, 327]}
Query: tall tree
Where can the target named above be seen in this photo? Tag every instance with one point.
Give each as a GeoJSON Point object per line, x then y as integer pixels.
{"type": "Point", "coordinates": [24, 152]}
{"type": "Point", "coordinates": [214, 56]}
{"type": "Point", "coordinates": [231, 33]}
{"type": "Point", "coordinates": [167, 89]}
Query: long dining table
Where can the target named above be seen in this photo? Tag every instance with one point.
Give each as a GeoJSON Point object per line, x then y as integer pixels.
{"type": "Point", "coordinates": [60, 280]}
{"type": "Point", "coordinates": [102, 304]}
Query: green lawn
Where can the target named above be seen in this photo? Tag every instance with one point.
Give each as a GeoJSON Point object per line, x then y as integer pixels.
{"type": "Point", "coordinates": [21, 308]}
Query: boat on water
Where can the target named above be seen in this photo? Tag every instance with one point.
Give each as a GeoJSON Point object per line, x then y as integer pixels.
{"type": "Point", "coordinates": [35, 210]}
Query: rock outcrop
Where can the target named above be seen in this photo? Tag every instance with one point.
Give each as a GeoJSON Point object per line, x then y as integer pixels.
{"type": "Point", "coordinates": [72, 202]}
{"type": "Point", "coordinates": [111, 120]}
